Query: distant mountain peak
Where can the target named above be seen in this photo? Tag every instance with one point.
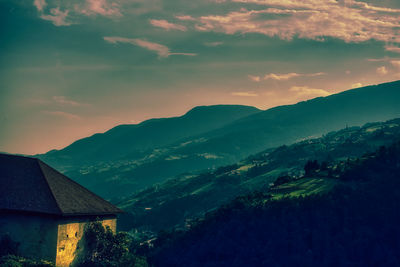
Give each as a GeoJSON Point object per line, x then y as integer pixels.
{"type": "Point", "coordinates": [219, 108]}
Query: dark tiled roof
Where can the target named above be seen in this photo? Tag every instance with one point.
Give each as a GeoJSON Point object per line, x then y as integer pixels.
{"type": "Point", "coordinates": [30, 185]}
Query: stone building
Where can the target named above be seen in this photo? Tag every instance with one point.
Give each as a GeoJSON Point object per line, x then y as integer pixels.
{"type": "Point", "coordinates": [45, 212]}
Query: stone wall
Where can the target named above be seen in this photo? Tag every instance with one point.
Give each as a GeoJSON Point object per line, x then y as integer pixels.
{"type": "Point", "coordinates": [70, 232]}
{"type": "Point", "coordinates": [48, 238]}
{"type": "Point", "coordinates": [36, 235]}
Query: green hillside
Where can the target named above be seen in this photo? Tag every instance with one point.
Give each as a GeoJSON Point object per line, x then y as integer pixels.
{"type": "Point", "coordinates": [172, 203]}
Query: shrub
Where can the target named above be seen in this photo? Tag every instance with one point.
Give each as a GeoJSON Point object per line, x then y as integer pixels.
{"type": "Point", "coordinates": [15, 261]}
{"type": "Point", "coordinates": [101, 248]}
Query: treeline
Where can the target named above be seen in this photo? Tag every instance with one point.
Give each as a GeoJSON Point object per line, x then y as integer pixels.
{"type": "Point", "coordinates": [356, 224]}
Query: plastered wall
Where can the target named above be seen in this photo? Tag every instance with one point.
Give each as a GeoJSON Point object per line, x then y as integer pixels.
{"type": "Point", "coordinates": [48, 238]}
{"type": "Point", "coordinates": [36, 235]}
{"type": "Point", "coordinates": [69, 234]}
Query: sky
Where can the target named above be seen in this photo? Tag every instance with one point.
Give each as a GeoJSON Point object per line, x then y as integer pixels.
{"type": "Point", "coordinates": [69, 69]}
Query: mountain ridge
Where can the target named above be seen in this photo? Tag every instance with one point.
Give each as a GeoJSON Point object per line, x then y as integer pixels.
{"type": "Point", "coordinates": [120, 131]}
{"type": "Point", "coordinates": [120, 168]}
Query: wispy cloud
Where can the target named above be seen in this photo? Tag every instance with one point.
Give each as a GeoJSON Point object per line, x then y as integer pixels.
{"type": "Point", "coordinates": [62, 114]}
{"type": "Point", "coordinates": [245, 94]}
{"type": "Point", "coordinates": [351, 21]}
{"type": "Point", "coordinates": [64, 101]}
{"type": "Point", "coordinates": [291, 75]}
{"type": "Point", "coordinates": [384, 59]}
{"type": "Point", "coordinates": [280, 77]}
{"type": "Point", "coordinates": [392, 48]}
{"type": "Point", "coordinates": [382, 70]}
{"type": "Point", "coordinates": [254, 78]}
{"type": "Point", "coordinates": [99, 7]}
{"type": "Point", "coordinates": [378, 59]}
{"type": "Point", "coordinates": [57, 17]}
{"type": "Point", "coordinates": [57, 102]}
{"type": "Point", "coordinates": [39, 4]}
{"type": "Point", "coordinates": [161, 50]}
{"type": "Point", "coordinates": [185, 17]}
{"type": "Point", "coordinates": [162, 23]}
{"type": "Point", "coordinates": [213, 44]}
{"type": "Point", "coordinates": [87, 8]}
{"type": "Point", "coordinates": [308, 92]}
{"type": "Point", "coordinates": [395, 63]}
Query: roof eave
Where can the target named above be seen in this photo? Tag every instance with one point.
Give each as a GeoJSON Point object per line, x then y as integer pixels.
{"type": "Point", "coordinates": [91, 214]}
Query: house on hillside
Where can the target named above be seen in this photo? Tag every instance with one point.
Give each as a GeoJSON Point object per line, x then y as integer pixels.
{"type": "Point", "coordinates": [44, 211]}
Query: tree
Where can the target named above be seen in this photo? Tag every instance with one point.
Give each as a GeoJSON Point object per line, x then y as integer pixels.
{"type": "Point", "coordinates": [282, 180]}
{"type": "Point", "coordinates": [101, 247]}
{"type": "Point", "coordinates": [310, 167]}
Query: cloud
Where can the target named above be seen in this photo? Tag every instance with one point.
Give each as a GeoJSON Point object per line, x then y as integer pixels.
{"type": "Point", "coordinates": [57, 101]}
{"type": "Point", "coordinates": [185, 17]}
{"type": "Point", "coordinates": [356, 85]}
{"type": "Point", "coordinates": [280, 77]}
{"type": "Point", "coordinates": [377, 59]}
{"type": "Point", "coordinates": [213, 44]}
{"type": "Point", "coordinates": [392, 48]}
{"type": "Point", "coordinates": [99, 7]}
{"type": "Point", "coordinates": [245, 94]}
{"type": "Point", "coordinates": [395, 63]}
{"type": "Point", "coordinates": [307, 91]}
{"type": "Point", "coordinates": [382, 70]}
{"type": "Point", "coordinates": [288, 76]}
{"type": "Point", "coordinates": [183, 54]}
{"type": "Point", "coordinates": [64, 101]}
{"type": "Point", "coordinates": [85, 7]}
{"type": "Point", "coordinates": [391, 60]}
{"type": "Point", "coordinates": [57, 17]}
{"type": "Point", "coordinates": [351, 21]}
{"type": "Point", "coordinates": [167, 25]}
{"type": "Point", "coordinates": [39, 4]}
{"type": "Point", "coordinates": [254, 78]}
{"type": "Point", "coordinates": [161, 50]}
{"type": "Point", "coordinates": [65, 115]}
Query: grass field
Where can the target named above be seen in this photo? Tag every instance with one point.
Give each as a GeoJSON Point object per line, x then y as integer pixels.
{"type": "Point", "coordinates": [303, 187]}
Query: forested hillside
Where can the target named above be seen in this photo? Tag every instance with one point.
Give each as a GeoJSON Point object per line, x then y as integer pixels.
{"type": "Point", "coordinates": [355, 224]}
{"type": "Point", "coordinates": [176, 201]}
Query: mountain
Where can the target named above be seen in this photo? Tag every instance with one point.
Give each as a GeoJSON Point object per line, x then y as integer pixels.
{"type": "Point", "coordinates": [132, 141]}
{"type": "Point", "coordinates": [178, 200]}
{"type": "Point", "coordinates": [129, 158]}
{"type": "Point", "coordinates": [98, 161]}
{"type": "Point", "coordinates": [287, 124]}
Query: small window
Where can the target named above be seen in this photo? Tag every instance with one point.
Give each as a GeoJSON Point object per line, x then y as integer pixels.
{"type": "Point", "coordinates": [76, 234]}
